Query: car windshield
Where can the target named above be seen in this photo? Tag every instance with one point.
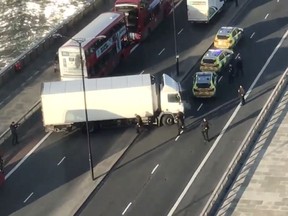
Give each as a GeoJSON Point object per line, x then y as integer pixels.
{"type": "Point", "coordinates": [208, 61]}
{"type": "Point", "coordinates": [203, 80]}
{"type": "Point", "coordinates": [222, 37]}
{"type": "Point", "coordinates": [203, 85]}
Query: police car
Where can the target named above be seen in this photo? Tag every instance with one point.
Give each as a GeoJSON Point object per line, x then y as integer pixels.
{"type": "Point", "coordinates": [228, 37]}
{"type": "Point", "coordinates": [216, 59]}
{"type": "Point", "coordinates": [204, 84]}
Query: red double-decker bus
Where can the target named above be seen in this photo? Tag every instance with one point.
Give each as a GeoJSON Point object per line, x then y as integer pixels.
{"type": "Point", "coordinates": [104, 42]}
{"type": "Point", "coordinates": [143, 16]}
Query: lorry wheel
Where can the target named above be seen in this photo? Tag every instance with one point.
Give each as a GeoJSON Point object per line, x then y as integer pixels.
{"type": "Point", "coordinates": [167, 120]}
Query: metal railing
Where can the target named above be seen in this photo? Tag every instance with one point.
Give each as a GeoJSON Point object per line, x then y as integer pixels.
{"type": "Point", "coordinates": [7, 133]}
{"type": "Point", "coordinates": [26, 57]}
{"type": "Point", "coordinates": [220, 191]}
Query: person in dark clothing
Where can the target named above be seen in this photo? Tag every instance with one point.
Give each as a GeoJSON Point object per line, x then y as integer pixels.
{"type": "Point", "coordinates": [139, 123]}
{"type": "Point", "coordinates": [236, 3]}
{"type": "Point", "coordinates": [13, 129]}
{"type": "Point", "coordinates": [180, 122]}
{"type": "Point", "coordinates": [1, 164]}
{"type": "Point", "coordinates": [239, 65]}
{"type": "Point", "coordinates": [241, 93]}
{"type": "Point", "coordinates": [231, 73]}
{"type": "Point", "coordinates": [204, 129]}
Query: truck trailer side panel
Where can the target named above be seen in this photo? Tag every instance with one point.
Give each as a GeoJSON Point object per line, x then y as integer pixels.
{"type": "Point", "coordinates": [108, 98]}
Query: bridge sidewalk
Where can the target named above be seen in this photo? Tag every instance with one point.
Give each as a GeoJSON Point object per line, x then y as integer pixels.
{"type": "Point", "coordinates": [261, 187]}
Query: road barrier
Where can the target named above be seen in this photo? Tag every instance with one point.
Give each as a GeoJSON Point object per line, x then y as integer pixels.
{"type": "Point", "coordinates": [30, 55]}
{"type": "Point", "coordinates": [234, 167]}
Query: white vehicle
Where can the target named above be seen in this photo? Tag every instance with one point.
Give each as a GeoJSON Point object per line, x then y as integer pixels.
{"type": "Point", "coordinates": [110, 101]}
{"type": "Point", "coordinates": [203, 10]}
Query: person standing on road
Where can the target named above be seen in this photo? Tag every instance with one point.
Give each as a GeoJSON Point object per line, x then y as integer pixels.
{"type": "Point", "coordinates": [236, 3]}
{"type": "Point", "coordinates": [139, 123]}
{"type": "Point", "coordinates": [1, 164]}
{"type": "Point", "coordinates": [180, 122]}
{"type": "Point", "coordinates": [205, 129]}
{"type": "Point", "coordinates": [241, 93]}
{"type": "Point", "coordinates": [13, 129]}
{"type": "Point", "coordinates": [230, 73]}
{"type": "Point", "coordinates": [239, 65]}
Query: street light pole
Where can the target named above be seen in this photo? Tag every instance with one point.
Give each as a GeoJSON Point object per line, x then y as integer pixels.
{"type": "Point", "coordinates": [175, 40]}
{"type": "Point", "coordinates": [80, 41]}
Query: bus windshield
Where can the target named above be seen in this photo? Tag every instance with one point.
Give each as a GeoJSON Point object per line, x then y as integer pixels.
{"type": "Point", "coordinates": [131, 15]}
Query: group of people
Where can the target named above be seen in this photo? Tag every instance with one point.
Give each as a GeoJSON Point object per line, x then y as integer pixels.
{"type": "Point", "coordinates": [180, 121]}
{"type": "Point", "coordinates": [235, 70]}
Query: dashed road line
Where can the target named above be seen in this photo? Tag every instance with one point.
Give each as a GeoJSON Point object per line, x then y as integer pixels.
{"type": "Point", "coordinates": [61, 161]}
{"type": "Point", "coordinates": [126, 208]}
{"type": "Point", "coordinates": [28, 198]}
{"type": "Point", "coordinates": [161, 51]}
{"type": "Point", "coordinates": [252, 35]}
{"type": "Point", "coordinates": [27, 155]}
{"type": "Point", "coordinates": [177, 138]}
{"type": "Point", "coordinates": [200, 106]}
{"type": "Point", "coordinates": [220, 79]}
{"type": "Point", "coordinates": [180, 31]}
{"type": "Point", "coordinates": [133, 49]}
{"type": "Point", "coordinates": [154, 169]}
{"type": "Point", "coordinates": [142, 72]}
{"type": "Point", "coordinates": [266, 16]}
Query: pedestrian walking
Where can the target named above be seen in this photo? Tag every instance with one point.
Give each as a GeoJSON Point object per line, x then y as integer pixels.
{"type": "Point", "coordinates": [236, 3]}
{"type": "Point", "coordinates": [231, 73]}
{"type": "Point", "coordinates": [241, 93]}
{"type": "Point", "coordinates": [180, 122]}
{"type": "Point", "coordinates": [13, 129]}
{"type": "Point", "coordinates": [205, 129]}
{"type": "Point", "coordinates": [55, 67]}
{"type": "Point", "coordinates": [239, 65]}
{"type": "Point", "coordinates": [139, 123]}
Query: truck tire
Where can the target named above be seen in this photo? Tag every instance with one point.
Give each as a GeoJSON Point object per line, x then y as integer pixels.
{"type": "Point", "coordinates": [167, 120]}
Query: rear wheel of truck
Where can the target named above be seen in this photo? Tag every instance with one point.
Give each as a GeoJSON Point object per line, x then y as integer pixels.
{"type": "Point", "coordinates": [167, 120]}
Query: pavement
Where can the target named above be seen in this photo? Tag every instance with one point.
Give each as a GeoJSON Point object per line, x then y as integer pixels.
{"type": "Point", "coordinates": [261, 187]}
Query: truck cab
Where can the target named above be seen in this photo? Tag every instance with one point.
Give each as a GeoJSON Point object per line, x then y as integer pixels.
{"type": "Point", "coordinates": [170, 100]}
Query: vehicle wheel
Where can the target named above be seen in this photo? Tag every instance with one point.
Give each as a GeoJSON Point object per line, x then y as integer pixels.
{"type": "Point", "coordinates": [167, 120]}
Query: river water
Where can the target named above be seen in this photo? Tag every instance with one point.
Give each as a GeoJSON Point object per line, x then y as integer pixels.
{"type": "Point", "coordinates": [24, 22]}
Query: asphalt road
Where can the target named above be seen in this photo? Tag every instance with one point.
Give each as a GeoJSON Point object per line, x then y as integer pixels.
{"type": "Point", "coordinates": [133, 188]}
{"type": "Point", "coordinates": [132, 181]}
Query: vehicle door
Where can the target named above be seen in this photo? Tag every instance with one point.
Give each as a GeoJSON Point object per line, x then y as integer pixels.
{"type": "Point", "coordinates": [222, 60]}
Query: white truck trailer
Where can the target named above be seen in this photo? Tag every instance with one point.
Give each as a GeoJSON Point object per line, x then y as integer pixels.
{"type": "Point", "coordinates": [110, 101]}
{"type": "Point", "coordinates": [203, 10]}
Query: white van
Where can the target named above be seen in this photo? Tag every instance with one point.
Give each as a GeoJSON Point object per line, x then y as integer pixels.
{"type": "Point", "coordinates": [203, 10]}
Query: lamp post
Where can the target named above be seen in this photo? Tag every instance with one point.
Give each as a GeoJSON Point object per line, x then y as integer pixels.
{"type": "Point", "coordinates": [79, 41]}
{"type": "Point", "coordinates": [175, 40]}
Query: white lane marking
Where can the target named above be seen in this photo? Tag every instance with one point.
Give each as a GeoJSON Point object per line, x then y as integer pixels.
{"type": "Point", "coordinates": [220, 79]}
{"type": "Point", "coordinates": [36, 72]}
{"type": "Point", "coordinates": [27, 155]}
{"type": "Point", "coordinates": [266, 16]}
{"type": "Point", "coordinates": [132, 50]}
{"type": "Point", "coordinates": [23, 84]}
{"type": "Point", "coordinates": [177, 138]}
{"type": "Point", "coordinates": [180, 31]}
{"type": "Point", "coordinates": [161, 51]}
{"type": "Point", "coordinates": [252, 35]}
{"type": "Point", "coordinates": [142, 72]}
{"type": "Point", "coordinates": [126, 208]}
{"type": "Point", "coordinates": [29, 78]}
{"type": "Point", "coordinates": [61, 161]}
{"type": "Point", "coordinates": [173, 209]}
{"type": "Point", "coordinates": [277, 1]}
{"type": "Point", "coordinates": [154, 169]}
{"type": "Point", "coordinates": [28, 198]}
{"type": "Point", "coordinates": [200, 106]}
{"type": "Point", "coordinates": [237, 55]}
